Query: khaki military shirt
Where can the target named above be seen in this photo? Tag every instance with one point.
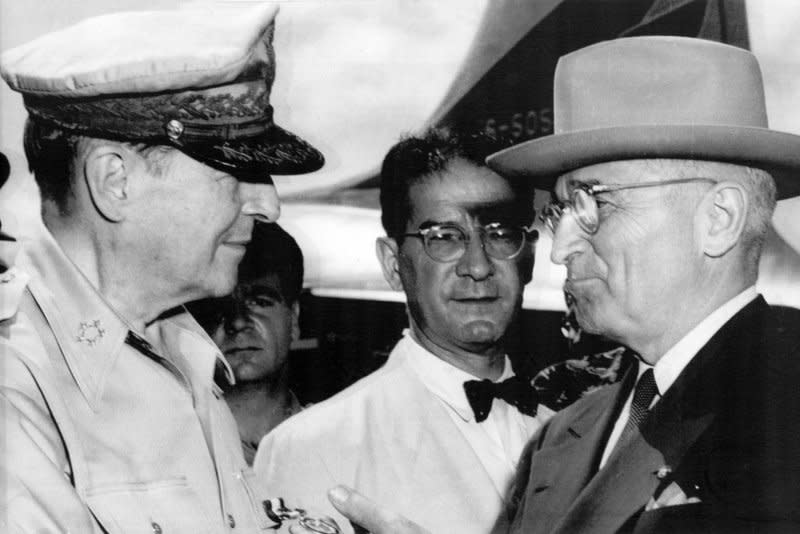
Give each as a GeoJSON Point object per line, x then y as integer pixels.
{"type": "Point", "coordinates": [101, 432]}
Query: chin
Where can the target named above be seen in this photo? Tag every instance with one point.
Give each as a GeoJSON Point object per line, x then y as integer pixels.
{"type": "Point", "coordinates": [220, 285]}
{"type": "Point", "coordinates": [480, 331]}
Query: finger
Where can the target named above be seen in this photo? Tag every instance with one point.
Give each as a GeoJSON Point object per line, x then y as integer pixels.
{"type": "Point", "coordinates": [369, 515]}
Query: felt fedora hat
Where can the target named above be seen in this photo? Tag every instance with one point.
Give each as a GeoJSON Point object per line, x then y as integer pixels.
{"type": "Point", "coordinates": [657, 97]}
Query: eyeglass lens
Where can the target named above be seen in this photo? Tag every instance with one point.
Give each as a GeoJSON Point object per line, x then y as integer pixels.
{"type": "Point", "coordinates": [584, 209]}
{"type": "Point", "coordinates": [449, 243]}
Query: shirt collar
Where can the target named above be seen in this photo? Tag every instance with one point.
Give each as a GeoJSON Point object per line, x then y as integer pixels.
{"type": "Point", "coordinates": [441, 378]}
{"type": "Point", "coordinates": [669, 366]}
{"type": "Point", "coordinates": [88, 331]}
{"type": "Point", "coordinates": [193, 352]}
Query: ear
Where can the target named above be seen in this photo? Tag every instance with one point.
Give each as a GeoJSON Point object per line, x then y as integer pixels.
{"type": "Point", "coordinates": [106, 168]}
{"type": "Point", "coordinates": [725, 211]}
{"type": "Point", "coordinates": [387, 251]}
{"type": "Point", "coordinates": [295, 321]}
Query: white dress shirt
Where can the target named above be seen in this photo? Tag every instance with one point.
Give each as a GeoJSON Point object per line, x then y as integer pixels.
{"type": "Point", "coordinates": [675, 360]}
{"type": "Point", "coordinates": [499, 439]}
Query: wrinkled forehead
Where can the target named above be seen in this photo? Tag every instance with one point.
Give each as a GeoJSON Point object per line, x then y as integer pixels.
{"type": "Point", "coordinates": [469, 212]}
{"type": "Point", "coordinates": [464, 191]}
{"type": "Point", "coordinates": [268, 285]}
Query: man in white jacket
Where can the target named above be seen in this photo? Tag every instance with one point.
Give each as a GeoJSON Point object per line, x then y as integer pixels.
{"type": "Point", "coordinates": [436, 432]}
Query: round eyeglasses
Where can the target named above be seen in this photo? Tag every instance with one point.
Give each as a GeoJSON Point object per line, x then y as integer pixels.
{"type": "Point", "coordinates": [583, 204]}
{"type": "Point", "coordinates": [448, 242]}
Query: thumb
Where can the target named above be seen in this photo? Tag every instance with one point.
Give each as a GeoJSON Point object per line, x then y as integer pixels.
{"type": "Point", "coordinates": [369, 515]}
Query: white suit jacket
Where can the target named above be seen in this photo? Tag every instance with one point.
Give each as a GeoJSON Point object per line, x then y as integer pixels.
{"type": "Point", "coordinates": [390, 438]}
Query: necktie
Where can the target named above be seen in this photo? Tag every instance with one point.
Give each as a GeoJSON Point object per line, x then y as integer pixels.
{"type": "Point", "coordinates": [517, 391]}
{"type": "Point", "coordinates": [643, 395]}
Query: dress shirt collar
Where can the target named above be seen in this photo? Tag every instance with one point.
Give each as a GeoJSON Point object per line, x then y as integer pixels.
{"type": "Point", "coordinates": [88, 330]}
{"type": "Point", "coordinates": [671, 364]}
{"type": "Point", "coordinates": [441, 378]}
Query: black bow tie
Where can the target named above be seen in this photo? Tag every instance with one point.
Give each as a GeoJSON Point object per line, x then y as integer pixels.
{"type": "Point", "coordinates": [517, 391]}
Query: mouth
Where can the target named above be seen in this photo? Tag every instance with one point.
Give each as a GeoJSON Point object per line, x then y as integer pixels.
{"type": "Point", "coordinates": [575, 284]}
{"type": "Point", "coordinates": [239, 243]}
{"type": "Point", "coordinates": [574, 278]}
{"type": "Point", "coordinates": [475, 300]}
{"type": "Point", "coordinates": [237, 350]}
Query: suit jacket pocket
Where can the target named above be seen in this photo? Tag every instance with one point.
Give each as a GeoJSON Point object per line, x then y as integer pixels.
{"type": "Point", "coordinates": [168, 506]}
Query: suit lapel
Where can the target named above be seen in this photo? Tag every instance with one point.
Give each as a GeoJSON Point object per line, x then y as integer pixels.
{"type": "Point", "coordinates": [594, 429]}
{"type": "Point", "coordinates": [553, 476]}
{"type": "Point", "coordinates": [629, 479]}
{"type": "Point", "coordinates": [439, 442]}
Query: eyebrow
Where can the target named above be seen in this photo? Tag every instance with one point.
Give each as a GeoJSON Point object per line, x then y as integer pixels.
{"type": "Point", "coordinates": [505, 212]}
{"type": "Point", "coordinates": [429, 223]}
{"type": "Point", "coordinates": [574, 182]}
{"type": "Point", "coordinates": [262, 290]}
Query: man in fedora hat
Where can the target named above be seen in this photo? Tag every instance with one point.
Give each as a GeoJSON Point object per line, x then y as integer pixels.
{"type": "Point", "coordinates": [152, 140]}
{"type": "Point", "coordinates": [665, 177]}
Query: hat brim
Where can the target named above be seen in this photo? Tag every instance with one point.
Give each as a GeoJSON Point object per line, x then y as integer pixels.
{"type": "Point", "coordinates": [255, 159]}
{"type": "Point", "coordinates": [545, 158]}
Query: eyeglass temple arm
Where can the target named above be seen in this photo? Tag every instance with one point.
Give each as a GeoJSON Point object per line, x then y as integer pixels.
{"type": "Point", "coordinates": [607, 188]}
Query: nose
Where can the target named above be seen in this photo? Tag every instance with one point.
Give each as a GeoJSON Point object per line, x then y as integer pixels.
{"type": "Point", "coordinates": [237, 318]}
{"type": "Point", "coordinates": [475, 263]}
{"type": "Point", "coordinates": [260, 201]}
{"type": "Point", "coordinates": [567, 239]}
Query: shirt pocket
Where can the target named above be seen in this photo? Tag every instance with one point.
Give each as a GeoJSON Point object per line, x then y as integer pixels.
{"type": "Point", "coordinates": [158, 507]}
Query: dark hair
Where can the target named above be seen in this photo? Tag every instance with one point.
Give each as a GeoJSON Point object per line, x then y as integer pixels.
{"type": "Point", "coordinates": [51, 156]}
{"type": "Point", "coordinates": [273, 251]}
{"type": "Point", "coordinates": [415, 158]}
{"type": "Point", "coordinates": [51, 153]}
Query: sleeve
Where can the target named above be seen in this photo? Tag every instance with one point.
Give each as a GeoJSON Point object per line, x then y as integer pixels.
{"type": "Point", "coordinates": [35, 473]}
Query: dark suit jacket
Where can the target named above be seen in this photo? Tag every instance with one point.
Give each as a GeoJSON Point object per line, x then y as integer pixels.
{"type": "Point", "coordinates": [728, 430]}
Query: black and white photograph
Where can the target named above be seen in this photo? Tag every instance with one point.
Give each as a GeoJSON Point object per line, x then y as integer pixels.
{"type": "Point", "coordinates": [399, 266]}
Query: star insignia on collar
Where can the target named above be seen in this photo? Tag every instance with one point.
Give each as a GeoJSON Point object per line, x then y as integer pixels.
{"type": "Point", "coordinates": [90, 332]}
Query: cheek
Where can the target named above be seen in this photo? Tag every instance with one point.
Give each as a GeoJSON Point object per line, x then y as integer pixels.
{"type": "Point", "coordinates": [618, 256]}
{"type": "Point", "coordinates": [272, 327]}
{"type": "Point", "coordinates": [645, 273]}
{"type": "Point", "coordinates": [218, 335]}
{"type": "Point", "coordinates": [518, 275]}
{"type": "Point", "coordinates": [424, 278]}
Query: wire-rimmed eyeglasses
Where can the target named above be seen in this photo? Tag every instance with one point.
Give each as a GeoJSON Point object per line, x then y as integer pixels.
{"type": "Point", "coordinates": [448, 242]}
{"type": "Point", "coordinates": [583, 204]}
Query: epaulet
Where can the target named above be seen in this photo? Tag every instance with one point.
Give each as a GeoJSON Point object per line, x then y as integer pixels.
{"type": "Point", "coordinates": [13, 282]}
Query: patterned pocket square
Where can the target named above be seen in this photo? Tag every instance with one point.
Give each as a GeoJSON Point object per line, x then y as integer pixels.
{"type": "Point", "coordinates": [672, 495]}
